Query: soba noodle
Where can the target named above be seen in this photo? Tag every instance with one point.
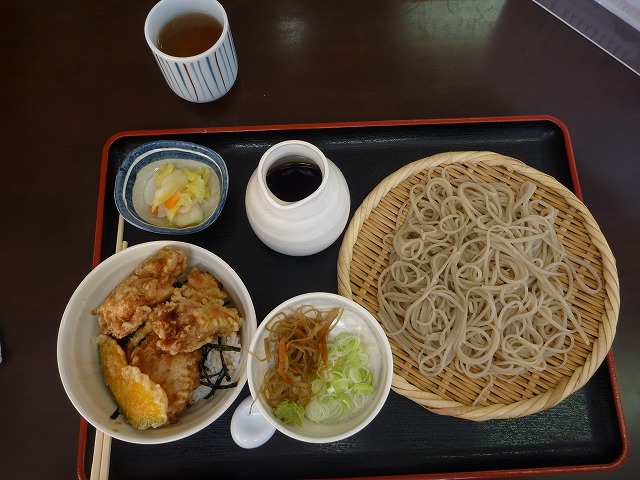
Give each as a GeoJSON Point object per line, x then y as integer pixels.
{"type": "Point", "coordinates": [478, 276]}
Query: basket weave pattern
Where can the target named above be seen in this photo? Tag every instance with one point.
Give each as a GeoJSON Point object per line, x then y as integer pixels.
{"type": "Point", "coordinates": [363, 257]}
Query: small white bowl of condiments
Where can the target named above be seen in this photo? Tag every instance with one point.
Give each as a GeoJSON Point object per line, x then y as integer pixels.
{"type": "Point", "coordinates": [350, 384]}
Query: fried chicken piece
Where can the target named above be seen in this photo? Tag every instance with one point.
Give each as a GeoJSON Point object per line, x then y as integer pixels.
{"type": "Point", "coordinates": [200, 287]}
{"type": "Point", "coordinates": [178, 375]}
{"type": "Point", "coordinates": [151, 283]}
{"type": "Point", "coordinates": [194, 316]}
{"type": "Point", "coordinates": [136, 338]}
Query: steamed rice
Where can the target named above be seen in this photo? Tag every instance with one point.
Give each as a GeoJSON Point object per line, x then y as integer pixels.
{"type": "Point", "coordinates": [231, 359]}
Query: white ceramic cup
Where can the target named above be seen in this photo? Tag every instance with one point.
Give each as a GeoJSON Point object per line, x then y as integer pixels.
{"type": "Point", "coordinates": [200, 78]}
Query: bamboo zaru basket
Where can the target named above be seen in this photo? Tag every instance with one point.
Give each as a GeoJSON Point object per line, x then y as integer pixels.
{"type": "Point", "coordinates": [363, 257]}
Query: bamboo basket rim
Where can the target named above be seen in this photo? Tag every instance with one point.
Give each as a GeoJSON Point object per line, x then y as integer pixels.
{"type": "Point", "coordinates": [361, 259]}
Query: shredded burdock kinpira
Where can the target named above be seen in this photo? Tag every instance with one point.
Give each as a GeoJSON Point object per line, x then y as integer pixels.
{"type": "Point", "coordinates": [214, 380]}
{"type": "Point", "coordinates": [296, 347]}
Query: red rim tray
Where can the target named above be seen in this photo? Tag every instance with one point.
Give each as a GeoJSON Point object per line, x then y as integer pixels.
{"type": "Point", "coordinates": [585, 433]}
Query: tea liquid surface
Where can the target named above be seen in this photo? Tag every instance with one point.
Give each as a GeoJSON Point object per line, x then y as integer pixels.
{"type": "Point", "coordinates": [189, 34]}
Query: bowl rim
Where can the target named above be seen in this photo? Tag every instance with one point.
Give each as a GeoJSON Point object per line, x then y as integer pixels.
{"type": "Point", "coordinates": [383, 344]}
{"type": "Point", "coordinates": [70, 319]}
{"type": "Point", "coordinates": [123, 178]}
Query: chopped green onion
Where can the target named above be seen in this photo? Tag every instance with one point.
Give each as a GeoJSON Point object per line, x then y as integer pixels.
{"type": "Point", "coordinates": [348, 381]}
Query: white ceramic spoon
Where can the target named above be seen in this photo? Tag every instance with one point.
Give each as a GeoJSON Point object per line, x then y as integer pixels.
{"type": "Point", "coordinates": [249, 428]}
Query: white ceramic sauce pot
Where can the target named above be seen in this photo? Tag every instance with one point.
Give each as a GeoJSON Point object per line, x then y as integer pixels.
{"type": "Point", "coordinates": [304, 226]}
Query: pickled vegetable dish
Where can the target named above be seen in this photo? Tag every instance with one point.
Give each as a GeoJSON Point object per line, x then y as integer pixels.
{"type": "Point", "coordinates": [177, 194]}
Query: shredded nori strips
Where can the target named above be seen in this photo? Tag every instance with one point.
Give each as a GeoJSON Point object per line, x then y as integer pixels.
{"type": "Point", "coordinates": [214, 380]}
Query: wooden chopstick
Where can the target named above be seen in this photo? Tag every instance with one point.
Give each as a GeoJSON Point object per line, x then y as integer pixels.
{"type": "Point", "coordinates": [102, 443]}
{"type": "Point", "coordinates": [119, 234]}
{"type": "Point", "coordinates": [98, 454]}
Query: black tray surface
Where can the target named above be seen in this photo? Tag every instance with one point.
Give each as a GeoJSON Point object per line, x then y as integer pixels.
{"type": "Point", "coordinates": [581, 433]}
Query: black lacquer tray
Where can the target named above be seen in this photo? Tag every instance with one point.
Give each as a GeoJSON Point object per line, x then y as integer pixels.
{"type": "Point", "coordinates": [586, 432]}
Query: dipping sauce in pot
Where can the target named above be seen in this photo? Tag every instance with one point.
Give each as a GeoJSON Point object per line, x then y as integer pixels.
{"type": "Point", "coordinates": [294, 178]}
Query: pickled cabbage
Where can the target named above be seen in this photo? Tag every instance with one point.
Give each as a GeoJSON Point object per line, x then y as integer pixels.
{"type": "Point", "coordinates": [177, 194]}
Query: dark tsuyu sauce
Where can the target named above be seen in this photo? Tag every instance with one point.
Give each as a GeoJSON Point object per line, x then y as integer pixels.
{"type": "Point", "coordinates": [294, 178]}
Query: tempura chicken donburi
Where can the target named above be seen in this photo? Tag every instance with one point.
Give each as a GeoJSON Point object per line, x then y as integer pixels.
{"type": "Point", "coordinates": [157, 334]}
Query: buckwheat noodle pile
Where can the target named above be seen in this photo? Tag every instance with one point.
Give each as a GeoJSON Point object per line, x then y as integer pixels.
{"type": "Point", "coordinates": [478, 276]}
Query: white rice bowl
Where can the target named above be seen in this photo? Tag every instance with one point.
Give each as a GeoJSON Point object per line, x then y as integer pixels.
{"type": "Point", "coordinates": [77, 352]}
